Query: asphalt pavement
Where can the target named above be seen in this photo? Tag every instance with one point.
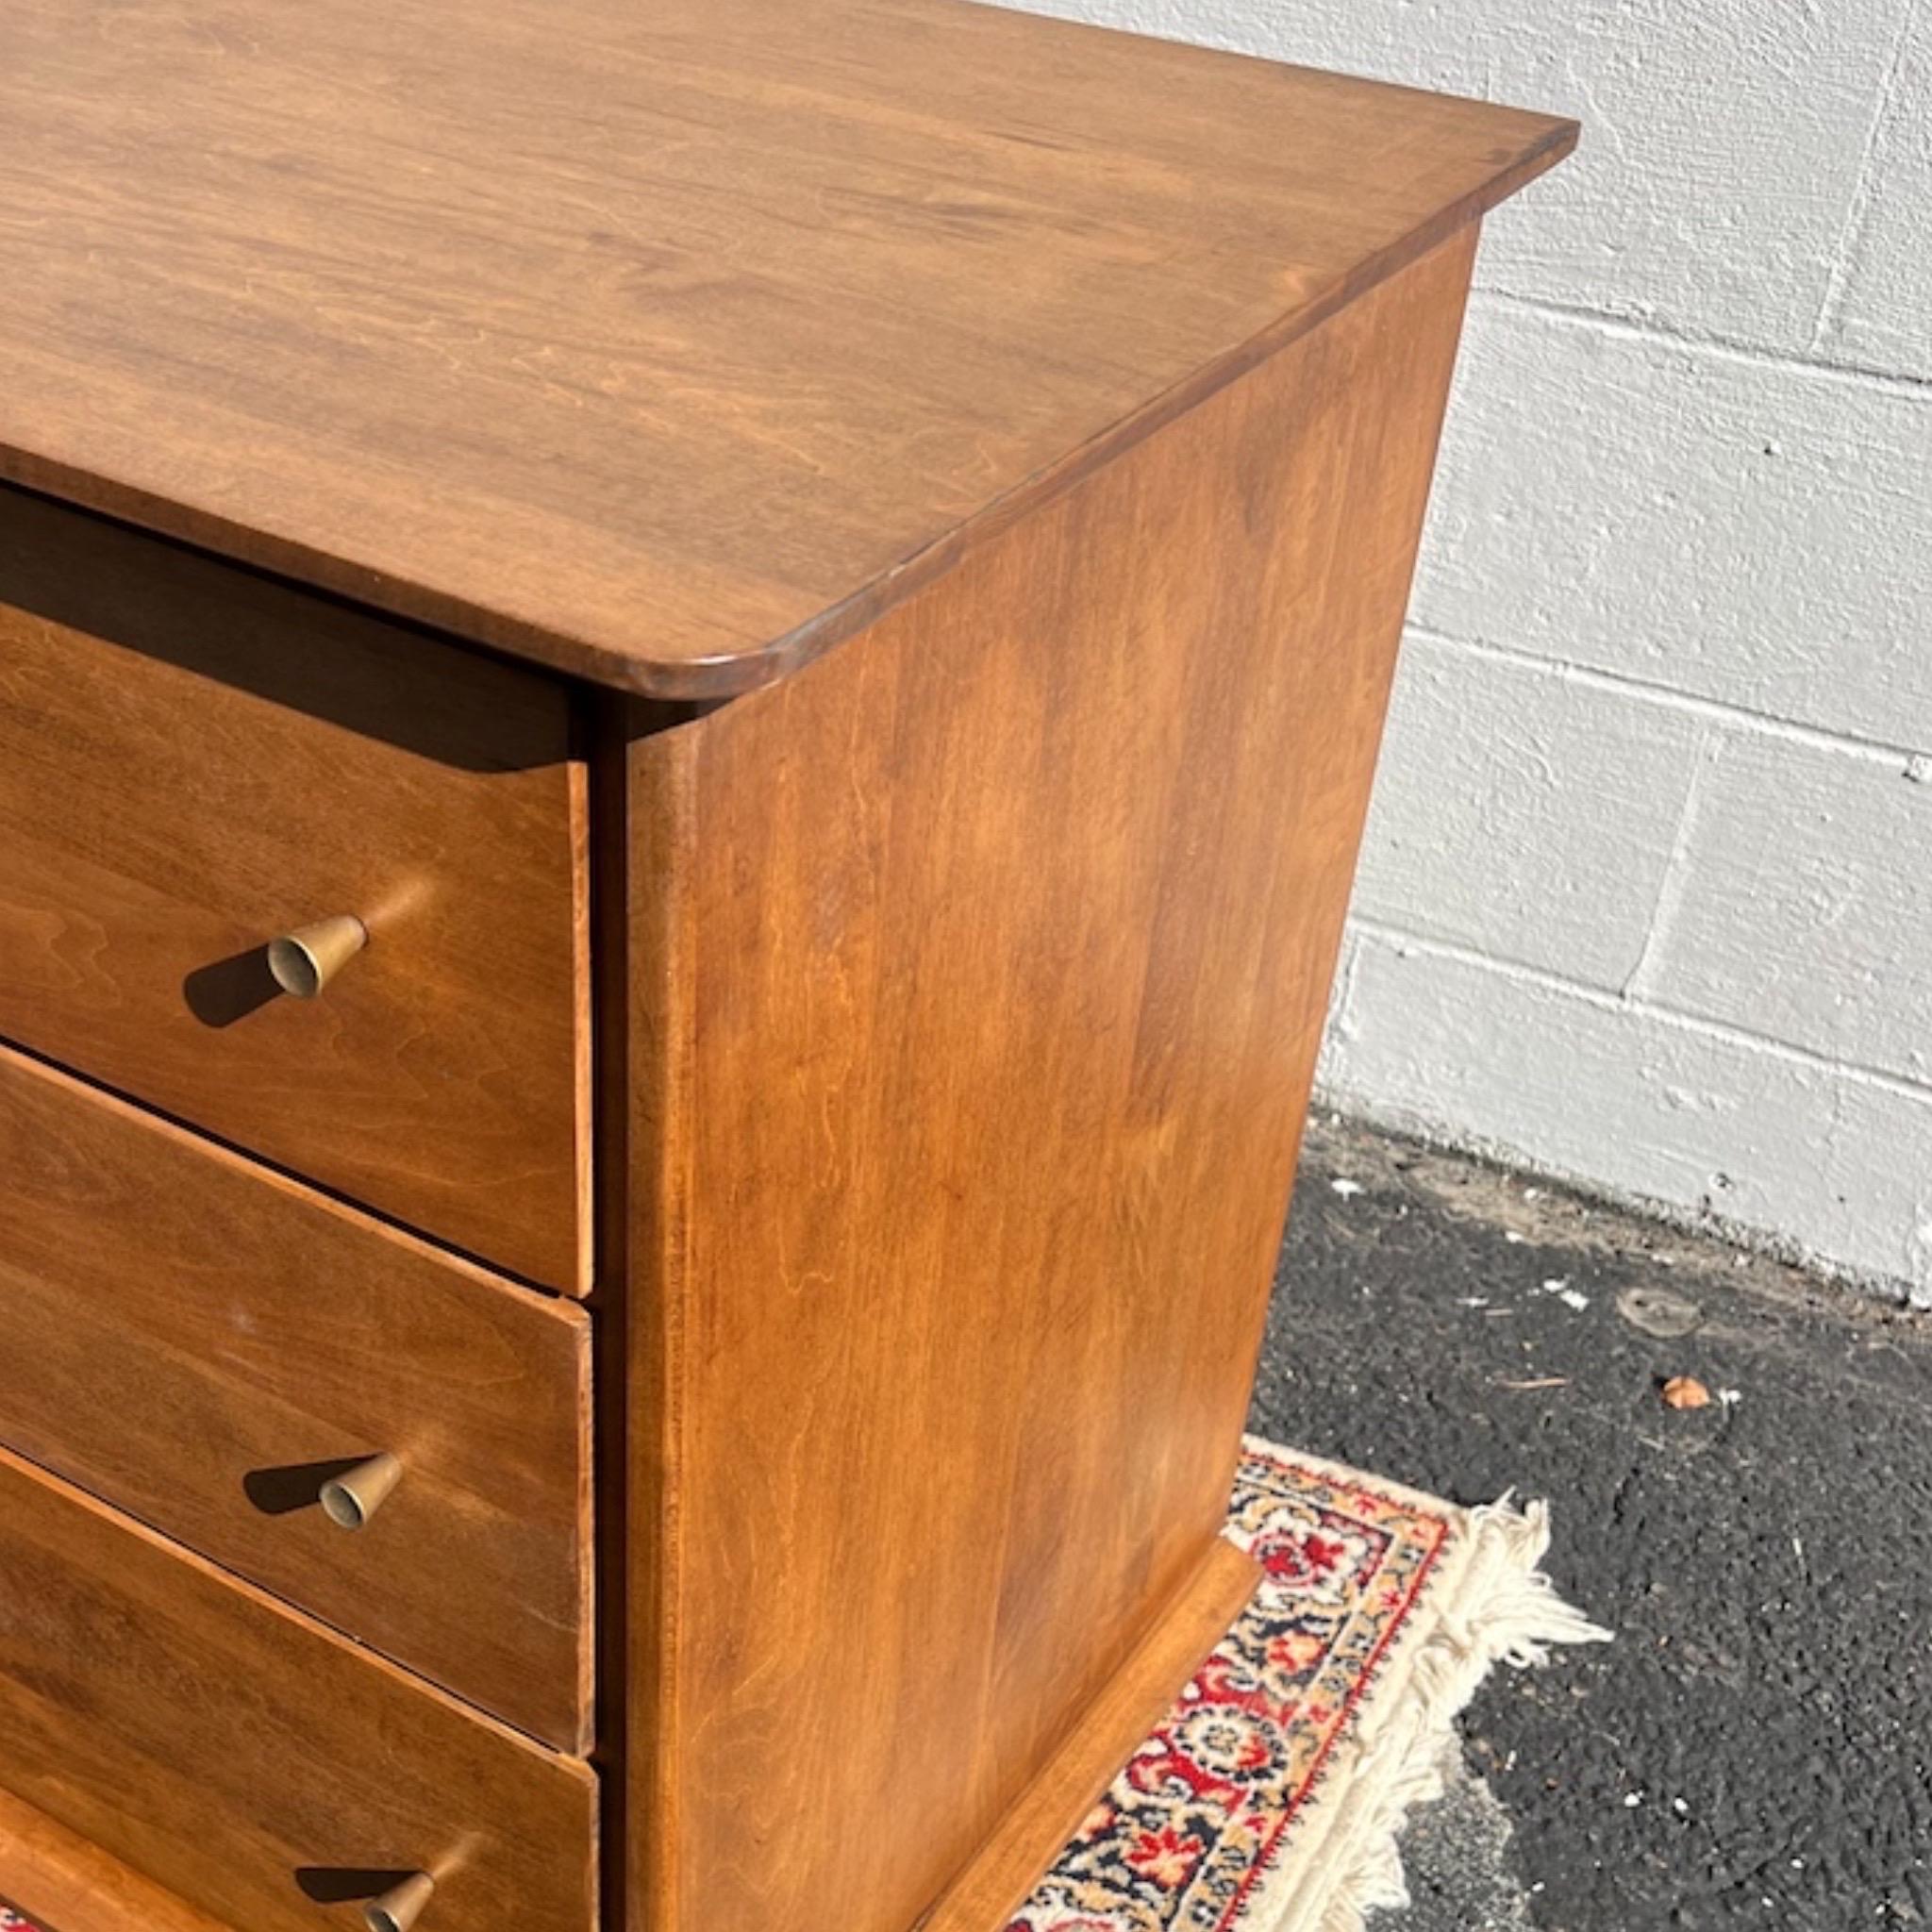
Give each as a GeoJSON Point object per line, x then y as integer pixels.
{"type": "Point", "coordinates": [1755, 1748]}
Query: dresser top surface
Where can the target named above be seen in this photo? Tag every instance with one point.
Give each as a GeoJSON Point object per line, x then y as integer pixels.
{"type": "Point", "coordinates": [660, 343]}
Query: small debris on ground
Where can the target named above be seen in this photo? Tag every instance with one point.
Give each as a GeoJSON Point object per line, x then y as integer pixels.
{"type": "Point", "coordinates": [1686, 1392]}
{"type": "Point", "coordinates": [1344, 1187]}
{"type": "Point", "coordinates": [1559, 1285]}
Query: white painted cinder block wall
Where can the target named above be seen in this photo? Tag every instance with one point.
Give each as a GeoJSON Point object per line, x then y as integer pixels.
{"type": "Point", "coordinates": [1647, 898]}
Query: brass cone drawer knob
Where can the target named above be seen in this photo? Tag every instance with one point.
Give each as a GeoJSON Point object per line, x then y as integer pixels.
{"type": "Point", "coordinates": [399, 1909]}
{"type": "Point", "coordinates": [304, 961]}
{"type": "Point", "coordinates": [349, 1500]}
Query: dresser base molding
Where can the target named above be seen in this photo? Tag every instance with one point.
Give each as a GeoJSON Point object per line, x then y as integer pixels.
{"type": "Point", "coordinates": [63, 1883]}
{"type": "Point", "coordinates": [1003, 1875]}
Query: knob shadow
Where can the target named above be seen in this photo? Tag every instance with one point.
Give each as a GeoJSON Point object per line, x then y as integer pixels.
{"type": "Point", "coordinates": [291, 1485]}
{"type": "Point", "coordinates": [340, 1884]}
{"type": "Point", "coordinates": [231, 988]}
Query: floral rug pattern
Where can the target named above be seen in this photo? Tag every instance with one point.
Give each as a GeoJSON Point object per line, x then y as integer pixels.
{"type": "Point", "coordinates": [1195, 1820]}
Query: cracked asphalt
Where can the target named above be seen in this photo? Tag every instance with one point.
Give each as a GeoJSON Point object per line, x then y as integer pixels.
{"type": "Point", "coordinates": [1755, 1748]}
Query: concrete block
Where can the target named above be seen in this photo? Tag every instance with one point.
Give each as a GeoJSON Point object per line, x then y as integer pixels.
{"type": "Point", "coordinates": [1721, 158]}
{"type": "Point", "coordinates": [1523, 814]}
{"type": "Point", "coordinates": [1805, 903]}
{"type": "Point", "coordinates": [1748, 533]}
{"type": "Point", "coordinates": [1626, 1098]}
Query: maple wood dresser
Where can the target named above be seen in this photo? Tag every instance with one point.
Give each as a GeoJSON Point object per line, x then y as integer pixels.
{"type": "Point", "coordinates": [686, 695]}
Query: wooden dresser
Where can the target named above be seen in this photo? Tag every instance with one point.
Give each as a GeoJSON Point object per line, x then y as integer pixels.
{"type": "Point", "coordinates": [686, 696]}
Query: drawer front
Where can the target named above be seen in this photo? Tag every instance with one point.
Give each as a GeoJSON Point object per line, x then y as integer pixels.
{"type": "Point", "coordinates": [263, 1770]}
{"type": "Point", "coordinates": [205, 1346]}
{"type": "Point", "coordinates": [194, 760]}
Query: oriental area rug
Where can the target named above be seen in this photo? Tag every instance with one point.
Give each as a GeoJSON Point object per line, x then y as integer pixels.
{"type": "Point", "coordinates": [1270, 1796]}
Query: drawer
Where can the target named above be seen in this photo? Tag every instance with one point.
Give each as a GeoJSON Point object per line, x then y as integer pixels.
{"type": "Point", "coordinates": [246, 1760]}
{"type": "Point", "coordinates": [206, 1344]}
{"type": "Point", "coordinates": [194, 760]}
{"type": "Point", "coordinates": [54, 1877]}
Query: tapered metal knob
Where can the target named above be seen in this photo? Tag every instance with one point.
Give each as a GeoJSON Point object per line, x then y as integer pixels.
{"type": "Point", "coordinates": [304, 961]}
{"type": "Point", "coordinates": [398, 1910]}
{"type": "Point", "coordinates": [349, 1500]}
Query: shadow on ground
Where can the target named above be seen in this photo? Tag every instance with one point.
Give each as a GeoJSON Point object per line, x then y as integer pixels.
{"type": "Point", "coordinates": [1756, 1749]}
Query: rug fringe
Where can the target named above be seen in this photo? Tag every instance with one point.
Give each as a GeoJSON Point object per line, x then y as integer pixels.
{"type": "Point", "coordinates": [1504, 1610]}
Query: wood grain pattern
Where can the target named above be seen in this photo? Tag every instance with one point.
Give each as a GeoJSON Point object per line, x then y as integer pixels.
{"type": "Point", "coordinates": [1005, 1869]}
{"type": "Point", "coordinates": [981, 972]}
{"type": "Point", "coordinates": [247, 1760]}
{"type": "Point", "coordinates": [664, 344]}
{"type": "Point", "coordinates": [646, 947]}
{"type": "Point", "coordinates": [203, 1344]}
{"type": "Point", "coordinates": [61, 1880]}
{"type": "Point", "coordinates": [193, 759]}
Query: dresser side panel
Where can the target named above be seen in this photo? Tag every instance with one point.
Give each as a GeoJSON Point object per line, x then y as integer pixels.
{"type": "Point", "coordinates": [1012, 925]}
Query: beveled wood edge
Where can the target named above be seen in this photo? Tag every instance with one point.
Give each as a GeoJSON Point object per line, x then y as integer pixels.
{"type": "Point", "coordinates": [583, 1038]}
{"type": "Point", "coordinates": [1007, 1868]}
{"type": "Point", "coordinates": [728, 675]}
{"type": "Point", "coordinates": [643, 832]}
{"type": "Point", "coordinates": [64, 1884]}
